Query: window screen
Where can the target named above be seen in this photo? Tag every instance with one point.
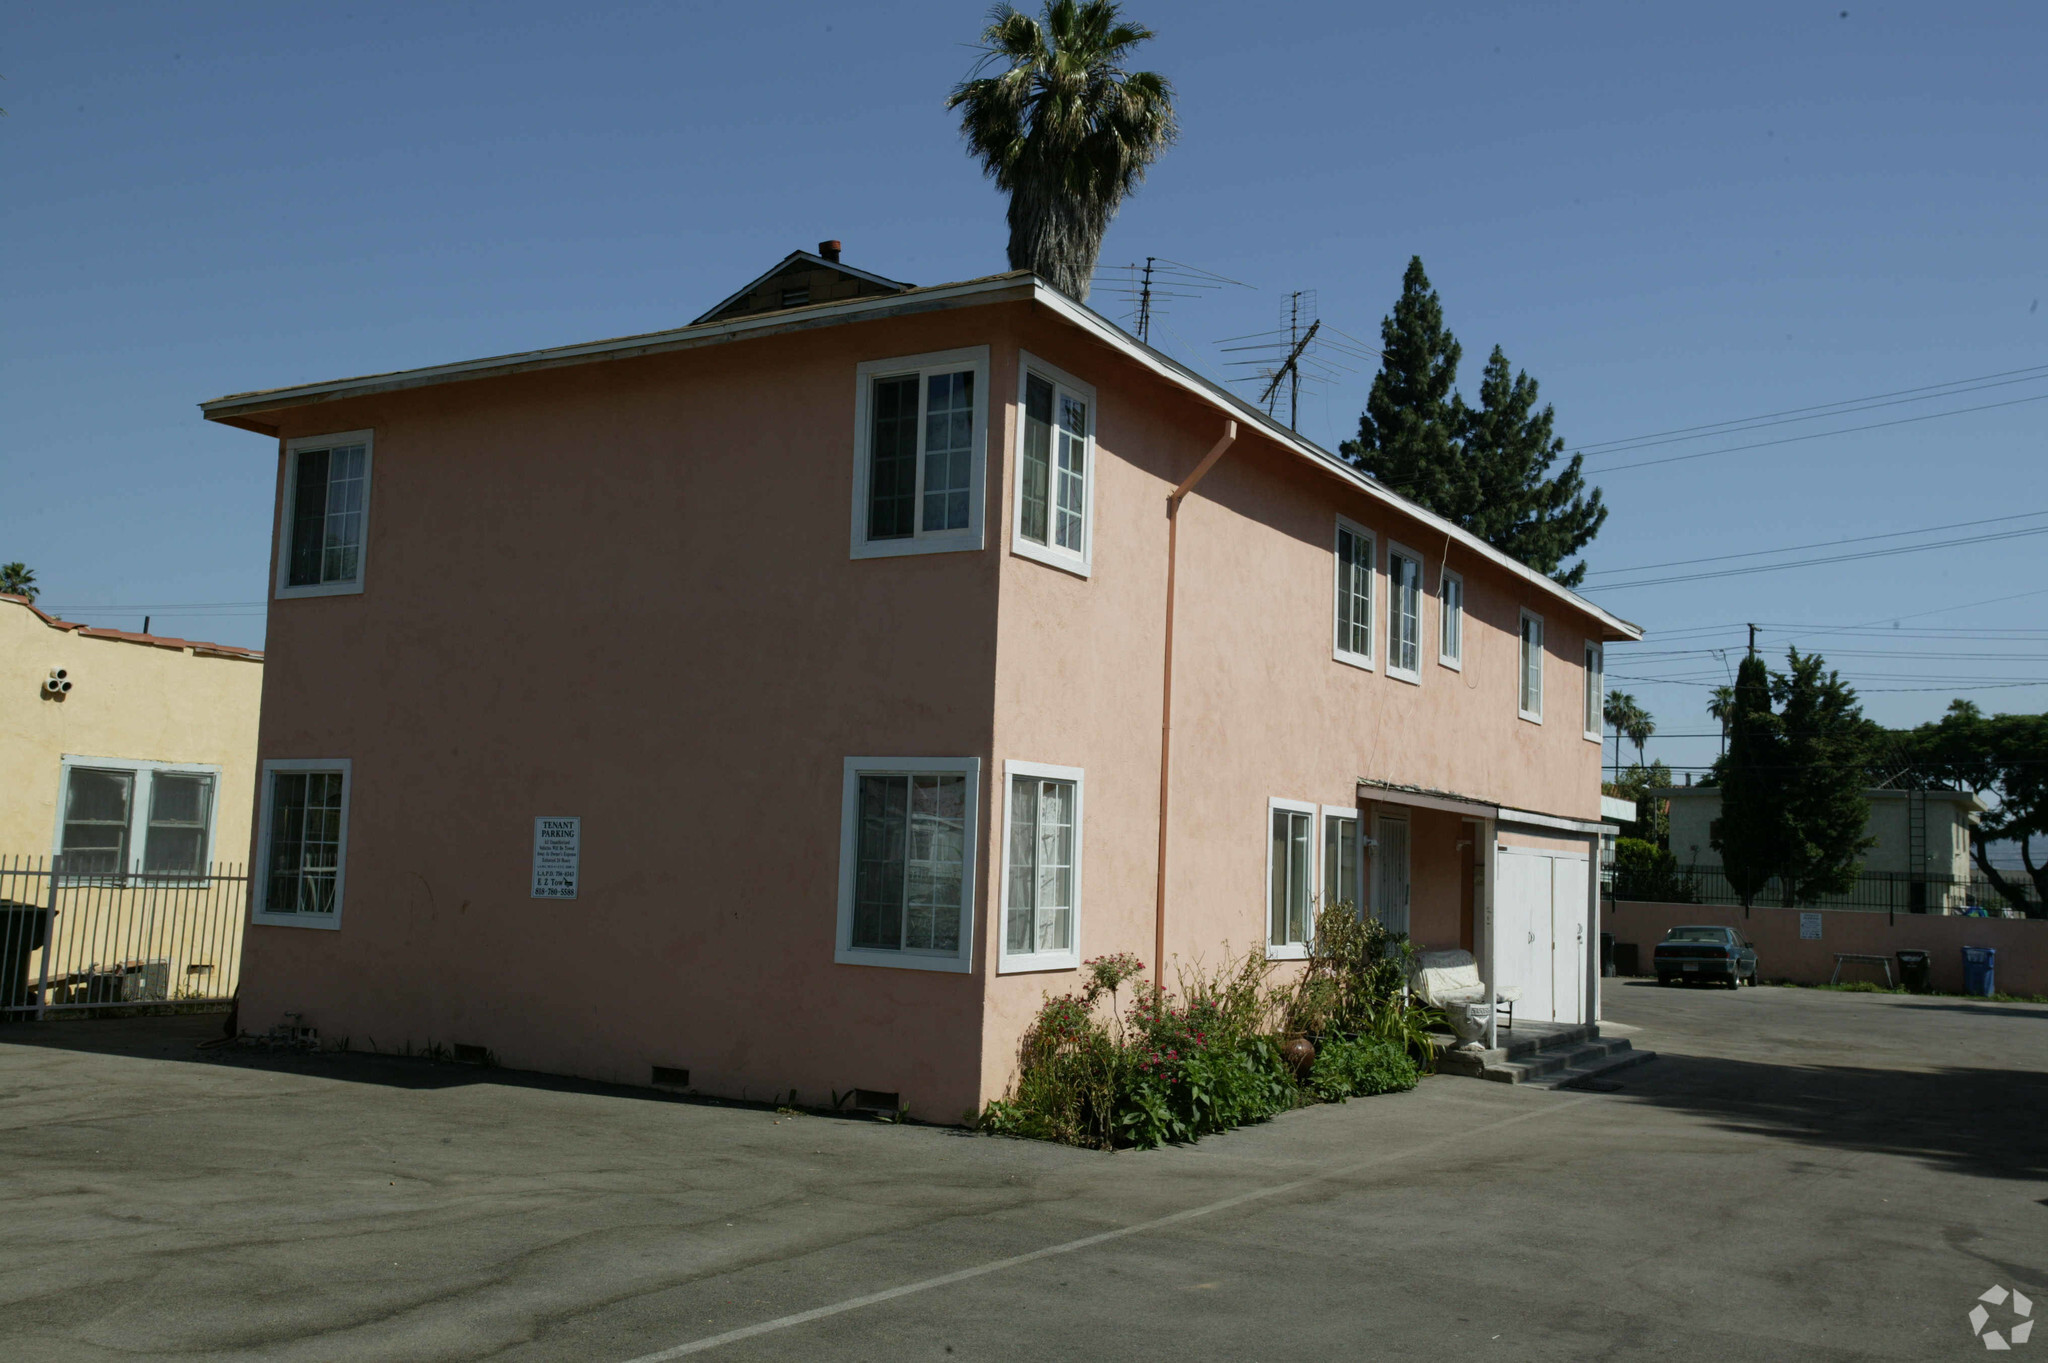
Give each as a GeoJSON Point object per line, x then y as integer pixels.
{"type": "Point", "coordinates": [1041, 899]}
{"type": "Point", "coordinates": [1293, 877]}
{"type": "Point", "coordinates": [1354, 593]}
{"type": "Point", "coordinates": [1035, 495]}
{"type": "Point", "coordinates": [910, 869]}
{"type": "Point", "coordinates": [892, 460]}
{"type": "Point", "coordinates": [948, 450]}
{"type": "Point", "coordinates": [1452, 644]}
{"type": "Point", "coordinates": [305, 842]}
{"type": "Point", "coordinates": [97, 808]}
{"type": "Point", "coordinates": [1404, 613]}
{"type": "Point", "coordinates": [327, 515]}
{"type": "Point", "coordinates": [180, 812]}
{"type": "Point", "coordinates": [1532, 665]}
{"type": "Point", "coordinates": [1340, 860]}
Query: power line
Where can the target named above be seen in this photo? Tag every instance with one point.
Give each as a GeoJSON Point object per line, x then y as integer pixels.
{"type": "Point", "coordinates": [1832, 558]}
{"type": "Point", "coordinates": [1846, 406]}
{"type": "Point", "coordinates": [1820, 544]}
{"type": "Point", "coordinates": [1814, 435]}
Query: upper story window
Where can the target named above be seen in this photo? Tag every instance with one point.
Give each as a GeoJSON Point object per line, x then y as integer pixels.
{"type": "Point", "coordinates": [125, 818]}
{"type": "Point", "coordinates": [906, 874]}
{"type": "Point", "coordinates": [1532, 667]}
{"type": "Point", "coordinates": [1055, 467]}
{"type": "Point", "coordinates": [1404, 614]}
{"type": "Point", "coordinates": [920, 436]}
{"type": "Point", "coordinates": [1355, 554]}
{"type": "Point", "coordinates": [303, 842]}
{"type": "Point", "coordinates": [1451, 620]}
{"type": "Point", "coordinates": [1042, 868]}
{"type": "Point", "coordinates": [1596, 682]}
{"type": "Point", "coordinates": [326, 511]}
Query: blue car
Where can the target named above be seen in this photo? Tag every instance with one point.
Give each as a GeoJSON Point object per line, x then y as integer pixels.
{"type": "Point", "coordinates": [1705, 953]}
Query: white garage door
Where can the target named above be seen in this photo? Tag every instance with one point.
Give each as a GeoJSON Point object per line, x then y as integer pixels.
{"type": "Point", "coordinates": [1539, 914]}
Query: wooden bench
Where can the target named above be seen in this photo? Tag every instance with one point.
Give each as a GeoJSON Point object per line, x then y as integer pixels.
{"type": "Point", "coordinates": [1843, 958]}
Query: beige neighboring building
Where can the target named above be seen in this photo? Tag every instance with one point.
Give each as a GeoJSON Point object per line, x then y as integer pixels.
{"type": "Point", "coordinates": [1924, 832]}
{"type": "Point", "coordinates": [134, 757]}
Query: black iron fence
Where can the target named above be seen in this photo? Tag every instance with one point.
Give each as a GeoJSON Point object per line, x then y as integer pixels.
{"type": "Point", "coordinates": [1892, 892]}
{"type": "Point", "coordinates": [75, 942]}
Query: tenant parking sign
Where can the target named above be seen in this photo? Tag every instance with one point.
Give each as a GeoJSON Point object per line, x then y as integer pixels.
{"type": "Point", "coordinates": [557, 847]}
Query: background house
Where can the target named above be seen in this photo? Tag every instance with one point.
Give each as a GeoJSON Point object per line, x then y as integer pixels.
{"type": "Point", "coordinates": [133, 758]}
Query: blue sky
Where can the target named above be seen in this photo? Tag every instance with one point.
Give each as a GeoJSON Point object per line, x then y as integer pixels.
{"type": "Point", "coordinates": [1669, 216]}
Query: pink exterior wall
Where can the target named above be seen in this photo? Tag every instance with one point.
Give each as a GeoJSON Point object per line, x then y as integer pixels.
{"type": "Point", "coordinates": [622, 591]}
{"type": "Point", "coordinates": [2022, 944]}
{"type": "Point", "coordinates": [1261, 707]}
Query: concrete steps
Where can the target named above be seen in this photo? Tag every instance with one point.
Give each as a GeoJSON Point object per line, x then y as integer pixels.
{"type": "Point", "coordinates": [1556, 1057]}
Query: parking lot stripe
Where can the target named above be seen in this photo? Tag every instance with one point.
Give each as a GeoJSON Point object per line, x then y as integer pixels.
{"type": "Point", "coordinates": [1085, 1242]}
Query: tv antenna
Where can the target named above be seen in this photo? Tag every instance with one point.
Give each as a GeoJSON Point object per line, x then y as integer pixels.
{"type": "Point", "coordinates": [1302, 350]}
{"type": "Point", "coordinates": [1149, 288]}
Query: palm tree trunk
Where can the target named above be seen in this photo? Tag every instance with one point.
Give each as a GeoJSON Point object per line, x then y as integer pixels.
{"type": "Point", "coordinates": [1057, 238]}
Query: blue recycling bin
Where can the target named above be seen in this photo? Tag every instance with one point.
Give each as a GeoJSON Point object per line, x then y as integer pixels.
{"type": "Point", "coordinates": [1979, 966]}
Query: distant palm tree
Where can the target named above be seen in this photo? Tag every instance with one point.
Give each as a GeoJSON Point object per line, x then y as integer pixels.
{"type": "Point", "coordinates": [1721, 707]}
{"type": "Point", "coordinates": [1064, 130]}
{"type": "Point", "coordinates": [1619, 710]}
{"type": "Point", "coordinates": [1639, 728]}
{"type": "Point", "coordinates": [18, 579]}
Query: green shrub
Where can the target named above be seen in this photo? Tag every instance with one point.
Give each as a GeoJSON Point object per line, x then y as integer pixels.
{"type": "Point", "coordinates": [1358, 1068]}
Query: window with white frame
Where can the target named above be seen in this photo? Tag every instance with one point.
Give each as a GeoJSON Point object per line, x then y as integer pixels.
{"type": "Point", "coordinates": [1340, 857]}
{"type": "Point", "coordinates": [920, 434]}
{"type": "Point", "coordinates": [1042, 868]}
{"type": "Point", "coordinates": [1355, 553]}
{"type": "Point", "coordinates": [1290, 878]}
{"type": "Point", "coordinates": [906, 890]}
{"type": "Point", "coordinates": [303, 842]}
{"type": "Point", "coordinates": [1451, 620]}
{"type": "Point", "coordinates": [1532, 667]}
{"type": "Point", "coordinates": [125, 818]}
{"type": "Point", "coordinates": [1596, 679]}
{"type": "Point", "coordinates": [1055, 466]}
{"type": "Point", "coordinates": [1404, 614]}
{"type": "Point", "coordinates": [326, 511]}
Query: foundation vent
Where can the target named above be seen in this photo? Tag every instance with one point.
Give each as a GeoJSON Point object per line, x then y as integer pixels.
{"type": "Point", "coordinates": [669, 1077]}
{"type": "Point", "coordinates": [872, 1100]}
{"type": "Point", "coordinates": [472, 1055]}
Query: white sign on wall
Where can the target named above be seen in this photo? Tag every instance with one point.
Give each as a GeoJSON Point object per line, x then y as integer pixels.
{"type": "Point", "coordinates": [557, 848]}
{"type": "Point", "coordinates": [1809, 927]}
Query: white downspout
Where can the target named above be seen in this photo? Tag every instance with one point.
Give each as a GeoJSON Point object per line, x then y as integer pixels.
{"type": "Point", "coordinates": [1593, 933]}
{"type": "Point", "coordinates": [1489, 839]}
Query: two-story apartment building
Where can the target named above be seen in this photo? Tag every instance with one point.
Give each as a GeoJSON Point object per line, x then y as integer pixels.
{"type": "Point", "coordinates": [792, 700]}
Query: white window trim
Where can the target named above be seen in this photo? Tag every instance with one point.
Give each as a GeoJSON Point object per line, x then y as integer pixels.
{"type": "Point", "coordinates": [1596, 680]}
{"type": "Point", "coordinates": [1357, 852]}
{"type": "Point", "coordinates": [1365, 660]}
{"type": "Point", "coordinates": [1292, 951]}
{"type": "Point", "coordinates": [259, 888]}
{"type": "Point", "coordinates": [1080, 564]}
{"type": "Point", "coordinates": [1008, 962]}
{"type": "Point", "coordinates": [1412, 676]}
{"type": "Point", "coordinates": [1454, 661]}
{"type": "Point", "coordinates": [1542, 647]}
{"type": "Point", "coordinates": [844, 952]}
{"type": "Point", "coordinates": [943, 541]}
{"type": "Point", "coordinates": [138, 814]}
{"type": "Point", "coordinates": [286, 520]}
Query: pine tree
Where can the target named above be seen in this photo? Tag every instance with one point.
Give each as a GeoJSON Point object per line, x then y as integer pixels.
{"type": "Point", "coordinates": [1520, 508]}
{"type": "Point", "coordinates": [1408, 433]}
{"type": "Point", "coordinates": [1749, 835]}
{"type": "Point", "coordinates": [1827, 753]}
{"type": "Point", "coordinates": [1487, 468]}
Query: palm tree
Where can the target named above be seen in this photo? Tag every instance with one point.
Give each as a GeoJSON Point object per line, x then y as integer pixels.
{"type": "Point", "coordinates": [1720, 707]}
{"type": "Point", "coordinates": [18, 579]}
{"type": "Point", "coordinates": [1639, 728]}
{"type": "Point", "coordinates": [1064, 130]}
{"type": "Point", "coordinates": [1619, 710]}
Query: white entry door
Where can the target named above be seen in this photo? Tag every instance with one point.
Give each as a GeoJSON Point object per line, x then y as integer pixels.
{"type": "Point", "coordinates": [1390, 871]}
{"type": "Point", "coordinates": [1521, 930]}
{"type": "Point", "coordinates": [1568, 938]}
{"type": "Point", "coordinates": [1539, 915]}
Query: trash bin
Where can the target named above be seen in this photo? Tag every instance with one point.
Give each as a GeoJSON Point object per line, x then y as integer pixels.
{"type": "Point", "coordinates": [1606, 953]}
{"type": "Point", "coordinates": [1627, 959]}
{"type": "Point", "coordinates": [22, 930]}
{"type": "Point", "coordinates": [1979, 964]}
{"type": "Point", "coordinates": [1914, 971]}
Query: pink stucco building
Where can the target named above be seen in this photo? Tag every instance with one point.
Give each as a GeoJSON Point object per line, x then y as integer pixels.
{"type": "Point", "coordinates": [874, 655]}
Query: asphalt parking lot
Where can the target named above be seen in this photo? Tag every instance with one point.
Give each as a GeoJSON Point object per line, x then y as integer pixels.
{"type": "Point", "coordinates": [1799, 1175]}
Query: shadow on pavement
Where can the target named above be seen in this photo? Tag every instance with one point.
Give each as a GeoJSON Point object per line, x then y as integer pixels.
{"type": "Point", "coordinates": [1967, 1120]}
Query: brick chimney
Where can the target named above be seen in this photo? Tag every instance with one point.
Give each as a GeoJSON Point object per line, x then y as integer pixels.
{"type": "Point", "coordinates": [829, 250]}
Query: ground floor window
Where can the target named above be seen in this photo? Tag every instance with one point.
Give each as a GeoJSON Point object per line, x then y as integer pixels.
{"type": "Point", "coordinates": [1042, 868]}
{"type": "Point", "coordinates": [124, 818]}
{"type": "Point", "coordinates": [303, 842]}
{"type": "Point", "coordinates": [1340, 858]}
{"type": "Point", "coordinates": [907, 861]}
{"type": "Point", "coordinates": [1290, 878]}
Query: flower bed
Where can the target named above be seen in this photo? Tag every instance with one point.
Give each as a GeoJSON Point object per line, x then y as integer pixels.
{"type": "Point", "coordinates": [1226, 1050]}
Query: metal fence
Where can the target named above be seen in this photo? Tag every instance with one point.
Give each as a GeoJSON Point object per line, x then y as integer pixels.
{"type": "Point", "coordinates": [70, 943]}
{"type": "Point", "coordinates": [1892, 892]}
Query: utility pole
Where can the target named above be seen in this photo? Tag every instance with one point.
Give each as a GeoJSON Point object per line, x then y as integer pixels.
{"type": "Point", "coordinates": [1752, 641]}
